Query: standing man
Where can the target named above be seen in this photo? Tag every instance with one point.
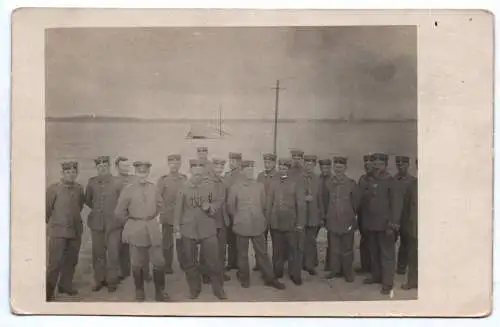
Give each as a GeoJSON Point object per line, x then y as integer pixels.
{"type": "Point", "coordinates": [412, 232]}
{"type": "Point", "coordinates": [123, 168]}
{"type": "Point", "coordinates": [202, 155]}
{"type": "Point", "coordinates": [267, 177]}
{"type": "Point", "coordinates": [195, 223]}
{"type": "Point", "coordinates": [230, 179]}
{"type": "Point", "coordinates": [312, 203]}
{"type": "Point", "coordinates": [325, 166]}
{"type": "Point", "coordinates": [246, 202]}
{"type": "Point", "coordinates": [341, 220]}
{"type": "Point", "coordinates": [384, 204]}
{"type": "Point", "coordinates": [138, 208]}
{"type": "Point", "coordinates": [405, 180]}
{"type": "Point", "coordinates": [101, 196]}
{"type": "Point", "coordinates": [297, 163]}
{"type": "Point", "coordinates": [168, 186]}
{"type": "Point", "coordinates": [364, 249]}
{"type": "Point", "coordinates": [287, 219]}
{"type": "Point", "coordinates": [64, 203]}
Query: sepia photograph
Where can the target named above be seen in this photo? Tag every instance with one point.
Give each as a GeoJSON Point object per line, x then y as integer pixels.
{"type": "Point", "coordinates": [230, 165]}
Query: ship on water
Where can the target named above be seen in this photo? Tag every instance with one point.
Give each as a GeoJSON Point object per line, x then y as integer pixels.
{"type": "Point", "coordinates": [203, 131]}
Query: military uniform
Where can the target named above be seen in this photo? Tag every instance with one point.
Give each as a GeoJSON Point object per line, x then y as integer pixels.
{"type": "Point", "coordinates": [324, 195]}
{"type": "Point", "coordinates": [364, 252]}
{"type": "Point", "coordinates": [230, 179]}
{"type": "Point", "coordinates": [384, 205]}
{"type": "Point", "coordinates": [138, 208]}
{"type": "Point", "coordinates": [106, 230]}
{"type": "Point", "coordinates": [287, 218]}
{"type": "Point", "coordinates": [64, 203]}
{"type": "Point", "coordinates": [169, 186]}
{"type": "Point", "coordinates": [405, 184]}
{"type": "Point", "coordinates": [246, 202]}
{"type": "Point", "coordinates": [296, 171]}
{"type": "Point", "coordinates": [310, 190]}
{"type": "Point", "coordinates": [198, 225]}
{"type": "Point", "coordinates": [411, 229]}
{"type": "Point", "coordinates": [341, 223]}
{"type": "Point", "coordinates": [124, 180]}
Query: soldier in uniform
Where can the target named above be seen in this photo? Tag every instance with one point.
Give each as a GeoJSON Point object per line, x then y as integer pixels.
{"type": "Point", "coordinates": [195, 223]}
{"type": "Point", "coordinates": [230, 179]}
{"type": "Point", "coordinates": [384, 205]}
{"type": "Point", "coordinates": [139, 206]}
{"type": "Point", "coordinates": [325, 166]}
{"type": "Point", "coordinates": [267, 177]}
{"type": "Point", "coordinates": [287, 218]}
{"type": "Point", "coordinates": [364, 252]}
{"type": "Point", "coordinates": [64, 203]}
{"type": "Point", "coordinates": [297, 163]}
{"type": "Point", "coordinates": [405, 180]}
{"type": "Point", "coordinates": [101, 196]}
{"type": "Point", "coordinates": [168, 186]}
{"type": "Point", "coordinates": [411, 226]}
{"type": "Point", "coordinates": [202, 155]}
{"type": "Point", "coordinates": [312, 206]}
{"type": "Point", "coordinates": [341, 220]}
{"type": "Point", "coordinates": [246, 203]}
{"type": "Point", "coordinates": [123, 177]}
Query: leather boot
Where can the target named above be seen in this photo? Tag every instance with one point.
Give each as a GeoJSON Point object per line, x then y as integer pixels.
{"type": "Point", "coordinates": [159, 281]}
{"type": "Point", "coordinates": [140, 295]}
{"type": "Point", "coordinates": [50, 292]}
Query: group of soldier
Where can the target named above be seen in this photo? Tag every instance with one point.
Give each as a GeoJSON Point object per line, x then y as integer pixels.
{"type": "Point", "coordinates": [211, 217]}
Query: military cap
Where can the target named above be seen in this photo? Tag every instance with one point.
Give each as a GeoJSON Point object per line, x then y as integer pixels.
{"type": "Point", "coordinates": [234, 155]}
{"type": "Point", "coordinates": [285, 162]}
{"type": "Point", "coordinates": [247, 163]}
{"type": "Point", "coordinates": [310, 157]}
{"type": "Point", "coordinates": [269, 156]}
{"type": "Point", "coordinates": [218, 161]}
{"type": "Point", "coordinates": [139, 163]}
{"type": "Point", "coordinates": [196, 163]}
{"type": "Point", "coordinates": [296, 152]}
{"type": "Point", "coordinates": [102, 159]}
{"type": "Point", "coordinates": [367, 157]}
{"type": "Point", "coordinates": [340, 160]}
{"type": "Point", "coordinates": [69, 165]}
{"type": "Point", "coordinates": [380, 156]}
{"type": "Point", "coordinates": [202, 149]}
{"type": "Point", "coordinates": [120, 159]}
{"type": "Point", "coordinates": [403, 159]}
{"type": "Point", "coordinates": [325, 162]}
{"type": "Point", "coordinates": [174, 157]}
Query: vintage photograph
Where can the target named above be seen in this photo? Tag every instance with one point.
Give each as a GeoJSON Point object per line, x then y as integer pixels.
{"type": "Point", "coordinates": [237, 164]}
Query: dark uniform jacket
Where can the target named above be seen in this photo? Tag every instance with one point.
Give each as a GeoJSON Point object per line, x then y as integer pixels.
{"type": "Point", "coordinates": [412, 204]}
{"type": "Point", "coordinates": [64, 203]}
{"type": "Point", "coordinates": [404, 186]}
{"type": "Point", "coordinates": [219, 199]}
{"type": "Point", "coordinates": [246, 201]}
{"type": "Point", "coordinates": [285, 205]}
{"type": "Point", "coordinates": [341, 213]}
{"type": "Point", "coordinates": [193, 221]}
{"type": "Point", "coordinates": [267, 178]}
{"type": "Point", "coordinates": [324, 193]}
{"type": "Point", "coordinates": [169, 186]}
{"type": "Point", "coordinates": [101, 196]}
{"type": "Point", "coordinates": [231, 178]}
{"type": "Point", "coordinates": [382, 201]}
{"type": "Point", "coordinates": [308, 184]}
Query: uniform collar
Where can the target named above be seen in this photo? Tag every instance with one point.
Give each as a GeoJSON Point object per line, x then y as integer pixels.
{"type": "Point", "coordinates": [67, 184]}
{"type": "Point", "coordinates": [271, 173]}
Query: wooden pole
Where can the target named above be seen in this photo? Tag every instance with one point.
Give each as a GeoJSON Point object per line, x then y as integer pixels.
{"type": "Point", "coordinates": [276, 105]}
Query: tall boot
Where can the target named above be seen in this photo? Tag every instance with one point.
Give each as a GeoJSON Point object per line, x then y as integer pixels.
{"type": "Point", "coordinates": [159, 281]}
{"type": "Point", "coordinates": [140, 295]}
{"type": "Point", "coordinates": [50, 292]}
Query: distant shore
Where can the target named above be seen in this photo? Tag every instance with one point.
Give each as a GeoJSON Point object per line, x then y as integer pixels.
{"type": "Point", "coordinates": [98, 119]}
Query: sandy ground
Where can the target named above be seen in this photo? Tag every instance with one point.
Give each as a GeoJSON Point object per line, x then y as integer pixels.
{"type": "Point", "coordinates": [314, 288]}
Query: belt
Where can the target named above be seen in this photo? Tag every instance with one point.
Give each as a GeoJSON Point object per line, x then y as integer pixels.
{"type": "Point", "coordinates": [143, 218]}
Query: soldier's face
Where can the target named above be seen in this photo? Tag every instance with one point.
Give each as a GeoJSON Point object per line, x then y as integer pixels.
{"type": "Point", "coordinates": [234, 163]}
{"type": "Point", "coordinates": [339, 168]}
{"type": "Point", "coordinates": [248, 171]}
{"type": "Point", "coordinates": [70, 175]}
{"type": "Point", "coordinates": [174, 166]}
{"type": "Point", "coordinates": [402, 167]}
{"type": "Point", "coordinates": [197, 171]}
{"type": "Point", "coordinates": [325, 169]}
{"type": "Point", "coordinates": [123, 168]}
{"type": "Point", "coordinates": [309, 166]}
{"type": "Point", "coordinates": [219, 168]}
{"type": "Point", "coordinates": [269, 165]}
{"type": "Point", "coordinates": [297, 160]}
{"type": "Point", "coordinates": [102, 168]}
{"type": "Point", "coordinates": [202, 155]}
{"type": "Point", "coordinates": [379, 166]}
{"type": "Point", "coordinates": [284, 169]}
{"type": "Point", "coordinates": [142, 172]}
{"type": "Point", "coordinates": [368, 166]}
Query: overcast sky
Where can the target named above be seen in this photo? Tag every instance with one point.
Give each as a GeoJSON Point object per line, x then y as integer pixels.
{"type": "Point", "coordinates": [327, 72]}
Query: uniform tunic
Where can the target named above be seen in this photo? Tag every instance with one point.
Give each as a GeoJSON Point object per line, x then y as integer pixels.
{"type": "Point", "coordinates": [324, 195]}
{"type": "Point", "coordinates": [412, 232]}
{"type": "Point", "coordinates": [364, 251]}
{"type": "Point", "coordinates": [64, 203]}
{"type": "Point", "coordinates": [124, 180]}
{"type": "Point", "coordinates": [402, 257]}
{"type": "Point", "coordinates": [138, 206]}
{"type": "Point", "coordinates": [231, 178]}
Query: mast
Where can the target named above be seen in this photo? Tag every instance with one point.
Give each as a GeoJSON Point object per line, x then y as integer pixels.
{"type": "Point", "coordinates": [220, 121]}
{"type": "Point", "coordinates": [276, 105]}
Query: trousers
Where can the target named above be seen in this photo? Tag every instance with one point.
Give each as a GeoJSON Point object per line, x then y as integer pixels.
{"type": "Point", "coordinates": [62, 258]}
{"type": "Point", "coordinates": [232, 250]}
{"type": "Point", "coordinates": [106, 247]}
{"type": "Point", "coordinates": [141, 255]}
{"type": "Point", "coordinates": [260, 249]}
{"type": "Point", "coordinates": [382, 256]}
{"type": "Point", "coordinates": [168, 245]}
{"type": "Point", "coordinates": [310, 257]}
{"type": "Point", "coordinates": [287, 246]}
{"type": "Point", "coordinates": [341, 253]}
{"type": "Point", "coordinates": [412, 277]}
{"type": "Point", "coordinates": [402, 262]}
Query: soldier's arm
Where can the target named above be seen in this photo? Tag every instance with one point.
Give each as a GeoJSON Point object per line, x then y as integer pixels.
{"type": "Point", "coordinates": [82, 198]}
{"type": "Point", "coordinates": [262, 196]}
{"type": "Point", "coordinates": [50, 199]}
{"type": "Point", "coordinates": [232, 200]}
{"type": "Point", "coordinates": [159, 203]}
{"type": "Point", "coordinates": [218, 197]}
{"type": "Point", "coordinates": [121, 210]}
{"type": "Point", "coordinates": [89, 196]}
{"type": "Point", "coordinates": [355, 196]}
{"type": "Point", "coordinates": [160, 184]}
{"type": "Point", "coordinates": [396, 198]}
{"type": "Point", "coordinates": [300, 204]}
{"type": "Point", "coordinates": [179, 208]}
{"type": "Point", "coordinates": [270, 201]}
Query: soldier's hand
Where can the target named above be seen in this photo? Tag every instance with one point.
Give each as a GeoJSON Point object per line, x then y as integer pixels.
{"type": "Point", "coordinates": [309, 198]}
{"type": "Point", "coordinates": [177, 235]}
